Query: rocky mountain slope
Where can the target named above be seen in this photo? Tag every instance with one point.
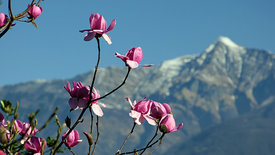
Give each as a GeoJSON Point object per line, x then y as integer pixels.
{"type": "Point", "coordinates": [223, 83]}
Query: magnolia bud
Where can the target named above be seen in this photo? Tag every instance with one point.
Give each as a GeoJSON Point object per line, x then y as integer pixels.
{"type": "Point", "coordinates": [3, 135]}
{"type": "Point", "coordinates": [163, 128]}
{"type": "Point", "coordinates": [89, 137]}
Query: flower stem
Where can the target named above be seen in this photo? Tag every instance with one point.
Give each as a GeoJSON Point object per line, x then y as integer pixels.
{"type": "Point", "coordinates": [90, 100]}
{"type": "Point", "coordinates": [91, 128]}
{"type": "Point", "coordinates": [156, 133]}
{"type": "Point", "coordinates": [160, 139]}
{"type": "Point", "coordinates": [130, 133]}
{"type": "Point", "coordinates": [98, 133]}
{"type": "Point", "coordinates": [124, 81]}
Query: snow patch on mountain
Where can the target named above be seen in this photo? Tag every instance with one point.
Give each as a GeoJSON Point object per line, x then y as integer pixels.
{"type": "Point", "coordinates": [172, 67]}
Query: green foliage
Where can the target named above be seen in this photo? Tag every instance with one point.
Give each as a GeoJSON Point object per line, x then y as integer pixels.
{"type": "Point", "coordinates": [6, 106]}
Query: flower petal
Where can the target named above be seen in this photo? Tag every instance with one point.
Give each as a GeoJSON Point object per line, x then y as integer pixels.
{"type": "Point", "coordinates": [111, 26]}
{"type": "Point", "coordinates": [89, 36]}
{"type": "Point", "coordinates": [132, 64]}
{"type": "Point", "coordinates": [130, 102]}
{"type": "Point", "coordinates": [123, 58]}
{"type": "Point", "coordinates": [146, 65]}
{"type": "Point", "coordinates": [97, 110]}
{"type": "Point", "coordinates": [73, 103]}
{"type": "Point", "coordinates": [82, 103]}
{"type": "Point", "coordinates": [150, 120]}
{"type": "Point", "coordinates": [107, 38]}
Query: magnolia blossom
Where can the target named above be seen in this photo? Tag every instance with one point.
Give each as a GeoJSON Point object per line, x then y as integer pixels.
{"type": "Point", "coordinates": [27, 130]}
{"type": "Point", "coordinates": [3, 19]}
{"type": "Point", "coordinates": [158, 110]}
{"type": "Point", "coordinates": [98, 28]}
{"type": "Point", "coordinates": [167, 124]}
{"type": "Point", "coordinates": [2, 153]}
{"type": "Point", "coordinates": [80, 97]}
{"type": "Point", "coordinates": [72, 139]}
{"type": "Point", "coordinates": [132, 57]}
{"type": "Point", "coordinates": [18, 126]}
{"type": "Point", "coordinates": [34, 145]}
{"type": "Point", "coordinates": [35, 11]}
{"type": "Point", "coordinates": [140, 111]}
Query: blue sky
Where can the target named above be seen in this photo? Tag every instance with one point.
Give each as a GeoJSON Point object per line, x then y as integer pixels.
{"type": "Point", "coordinates": [164, 29]}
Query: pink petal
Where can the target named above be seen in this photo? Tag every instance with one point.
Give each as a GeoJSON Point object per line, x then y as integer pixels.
{"type": "Point", "coordinates": [107, 38]}
{"type": "Point", "coordinates": [111, 26]}
{"type": "Point", "coordinates": [150, 120]}
{"type": "Point", "coordinates": [68, 88]}
{"type": "Point", "coordinates": [82, 103]}
{"type": "Point", "coordinates": [129, 100]}
{"type": "Point", "coordinates": [146, 65]}
{"type": "Point", "coordinates": [132, 64]}
{"type": "Point", "coordinates": [73, 103]}
{"type": "Point", "coordinates": [137, 54]}
{"type": "Point", "coordinates": [167, 108]}
{"type": "Point", "coordinates": [123, 58]}
{"type": "Point", "coordinates": [103, 105]}
{"type": "Point", "coordinates": [134, 114]}
{"type": "Point", "coordinates": [97, 110]}
{"type": "Point", "coordinates": [89, 36]}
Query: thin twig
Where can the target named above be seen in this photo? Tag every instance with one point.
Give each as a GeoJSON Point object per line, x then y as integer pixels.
{"type": "Point", "coordinates": [24, 13]}
{"type": "Point", "coordinates": [98, 134]}
{"type": "Point", "coordinates": [71, 129]}
{"type": "Point", "coordinates": [90, 100]}
{"type": "Point", "coordinates": [130, 133]}
{"type": "Point", "coordinates": [50, 118]}
{"type": "Point", "coordinates": [160, 141]}
{"type": "Point", "coordinates": [91, 129]}
{"type": "Point", "coordinates": [156, 133]}
{"type": "Point", "coordinates": [124, 81]}
{"type": "Point", "coordinates": [144, 147]}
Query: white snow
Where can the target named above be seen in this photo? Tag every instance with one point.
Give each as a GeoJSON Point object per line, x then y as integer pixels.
{"type": "Point", "coordinates": [227, 41]}
{"type": "Point", "coordinates": [40, 81]}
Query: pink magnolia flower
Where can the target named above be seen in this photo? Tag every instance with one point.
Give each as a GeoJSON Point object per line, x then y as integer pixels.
{"type": "Point", "coordinates": [158, 110]}
{"type": "Point", "coordinates": [167, 124]}
{"type": "Point", "coordinates": [2, 153]}
{"type": "Point", "coordinates": [18, 126]}
{"type": "Point", "coordinates": [72, 139]}
{"type": "Point", "coordinates": [132, 57]}
{"type": "Point", "coordinates": [35, 11]}
{"type": "Point", "coordinates": [34, 145]}
{"type": "Point", "coordinates": [98, 28]}
{"type": "Point", "coordinates": [27, 130]}
{"type": "Point", "coordinates": [140, 111]}
{"type": "Point", "coordinates": [80, 97]}
{"type": "Point", "coordinates": [3, 19]}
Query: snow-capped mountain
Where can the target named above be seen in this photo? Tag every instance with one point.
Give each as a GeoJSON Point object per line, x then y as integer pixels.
{"type": "Point", "coordinates": [224, 82]}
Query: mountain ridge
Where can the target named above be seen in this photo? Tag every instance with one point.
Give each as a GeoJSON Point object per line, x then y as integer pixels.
{"type": "Point", "coordinates": [222, 83]}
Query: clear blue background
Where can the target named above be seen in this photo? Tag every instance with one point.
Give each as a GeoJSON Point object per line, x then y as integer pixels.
{"type": "Point", "coordinates": [164, 29]}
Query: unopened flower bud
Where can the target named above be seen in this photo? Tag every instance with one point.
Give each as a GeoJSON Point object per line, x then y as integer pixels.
{"type": "Point", "coordinates": [3, 135]}
{"type": "Point", "coordinates": [89, 137]}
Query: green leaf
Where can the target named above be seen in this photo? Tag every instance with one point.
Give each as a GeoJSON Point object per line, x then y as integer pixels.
{"type": "Point", "coordinates": [68, 122]}
{"type": "Point", "coordinates": [6, 106]}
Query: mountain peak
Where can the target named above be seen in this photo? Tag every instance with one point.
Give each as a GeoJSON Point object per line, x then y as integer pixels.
{"type": "Point", "coordinates": [227, 41]}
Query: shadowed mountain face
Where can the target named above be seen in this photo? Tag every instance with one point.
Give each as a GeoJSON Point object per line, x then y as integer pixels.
{"type": "Point", "coordinates": [226, 82]}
